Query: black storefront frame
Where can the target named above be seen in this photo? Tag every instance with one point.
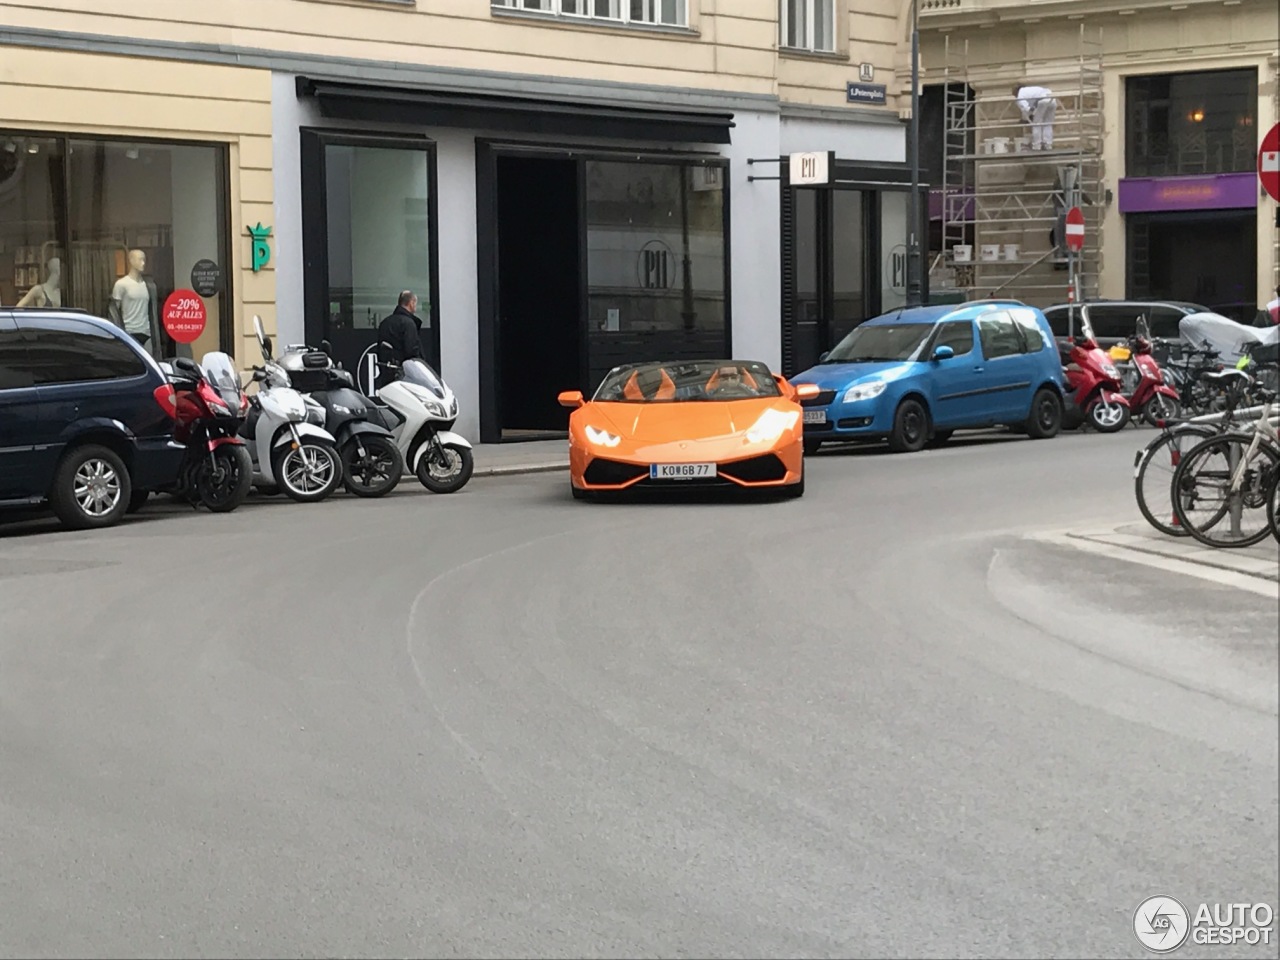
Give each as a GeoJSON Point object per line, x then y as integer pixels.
{"type": "Point", "coordinates": [315, 225]}
{"type": "Point", "coordinates": [489, 333]}
{"type": "Point", "coordinates": [62, 215]}
{"type": "Point", "coordinates": [872, 180]}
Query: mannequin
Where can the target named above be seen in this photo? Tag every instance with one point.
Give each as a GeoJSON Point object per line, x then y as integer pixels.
{"type": "Point", "coordinates": [49, 293]}
{"type": "Point", "coordinates": [133, 300]}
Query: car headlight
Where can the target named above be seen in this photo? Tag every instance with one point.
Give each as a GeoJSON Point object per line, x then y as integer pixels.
{"type": "Point", "coordinates": [864, 391]}
{"type": "Point", "coordinates": [602, 438]}
{"type": "Point", "coordinates": [771, 425]}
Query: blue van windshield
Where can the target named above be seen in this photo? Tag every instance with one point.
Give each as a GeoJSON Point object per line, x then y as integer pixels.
{"type": "Point", "coordinates": [881, 342]}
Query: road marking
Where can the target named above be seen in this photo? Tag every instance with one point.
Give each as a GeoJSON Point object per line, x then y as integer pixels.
{"type": "Point", "coordinates": [1241, 581]}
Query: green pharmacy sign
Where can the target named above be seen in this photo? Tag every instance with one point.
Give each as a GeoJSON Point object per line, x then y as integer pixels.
{"type": "Point", "coordinates": [261, 252]}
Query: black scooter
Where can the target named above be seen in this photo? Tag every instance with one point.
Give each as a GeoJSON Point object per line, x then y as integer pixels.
{"type": "Point", "coordinates": [372, 463]}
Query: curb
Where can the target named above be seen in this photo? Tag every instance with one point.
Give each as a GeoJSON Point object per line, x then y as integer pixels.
{"type": "Point", "coordinates": [516, 469]}
{"type": "Point", "coordinates": [1204, 561]}
{"type": "Point", "coordinates": [1250, 581]}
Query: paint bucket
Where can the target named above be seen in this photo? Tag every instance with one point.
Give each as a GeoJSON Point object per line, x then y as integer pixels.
{"type": "Point", "coordinates": [963, 253]}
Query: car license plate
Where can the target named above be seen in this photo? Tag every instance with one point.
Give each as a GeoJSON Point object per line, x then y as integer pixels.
{"type": "Point", "coordinates": [815, 416]}
{"type": "Point", "coordinates": [681, 471]}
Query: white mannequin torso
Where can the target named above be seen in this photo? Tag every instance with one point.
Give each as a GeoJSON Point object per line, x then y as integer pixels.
{"type": "Point", "coordinates": [135, 302]}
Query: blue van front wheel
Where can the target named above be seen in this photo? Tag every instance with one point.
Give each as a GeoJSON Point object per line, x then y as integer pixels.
{"type": "Point", "coordinates": [910, 427]}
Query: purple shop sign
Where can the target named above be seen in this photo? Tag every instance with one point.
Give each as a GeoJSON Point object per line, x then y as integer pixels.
{"type": "Point", "coordinates": [1222, 191]}
{"type": "Point", "coordinates": [960, 206]}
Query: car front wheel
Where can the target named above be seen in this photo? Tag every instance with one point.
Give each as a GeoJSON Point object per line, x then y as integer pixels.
{"type": "Point", "coordinates": [91, 488]}
{"type": "Point", "coordinates": [910, 427]}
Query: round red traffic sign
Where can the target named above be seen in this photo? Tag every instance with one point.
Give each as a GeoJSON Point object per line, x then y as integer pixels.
{"type": "Point", "coordinates": [1075, 229]}
{"type": "Point", "coordinates": [1269, 162]}
{"type": "Point", "coordinates": [184, 316]}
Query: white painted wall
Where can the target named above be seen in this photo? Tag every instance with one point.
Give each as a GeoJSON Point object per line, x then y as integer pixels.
{"type": "Point", "coordinates": [850, 139]}
{"type": "Point", "coordinates": [755, 245]}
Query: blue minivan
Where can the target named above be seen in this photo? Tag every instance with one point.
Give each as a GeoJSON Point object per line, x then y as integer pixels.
{"type": "Point", "coordinates": [916, 375]}
{"type": "Point", "coordinates": [86, 417]}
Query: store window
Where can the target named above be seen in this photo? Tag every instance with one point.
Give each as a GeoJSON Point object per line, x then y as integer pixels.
{"type": "Point", "coordinates": [114, 227]}
{"type": "Point", "coordinates": [656, 263]}
{"type": "Point", "coordinates": [33, 221]}
{"type": "Point", "coordinates": [368, 234]}
{"type": "Point", "coordinates": [1191, 123]}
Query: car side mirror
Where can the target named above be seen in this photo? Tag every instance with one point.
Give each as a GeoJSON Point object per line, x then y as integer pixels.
{"type": "Point", "coordinates": [806, 391]}
{"type": "Point", "coordinates": [822, 357]}
{"type": "Point", "coordinates": [571, 399]}
{"type": "Point", "coordinates": [943, 352]}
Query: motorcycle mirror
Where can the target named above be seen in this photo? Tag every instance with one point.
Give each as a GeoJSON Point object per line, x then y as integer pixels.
{"type": "Point", "coordinates": [326, 348]}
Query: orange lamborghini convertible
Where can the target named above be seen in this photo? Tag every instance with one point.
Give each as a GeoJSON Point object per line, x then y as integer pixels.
{"type": "Point", "coordinates": [729, 423]}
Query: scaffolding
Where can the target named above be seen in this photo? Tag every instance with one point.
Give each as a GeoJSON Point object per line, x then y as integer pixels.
{"type": "Point", "coordinates": [1003, 205]}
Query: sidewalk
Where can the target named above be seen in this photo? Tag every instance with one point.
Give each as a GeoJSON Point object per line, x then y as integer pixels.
{"type": "Point", "coordinates": [1261, 560]}
{"type": "Point", "coordinates": [531, 456]}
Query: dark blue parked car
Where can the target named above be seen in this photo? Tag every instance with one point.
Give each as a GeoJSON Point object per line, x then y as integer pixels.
{"type": "Point", "coordinates": [916, 375]}
{"type": "Point", "coordinates": [86, 417]}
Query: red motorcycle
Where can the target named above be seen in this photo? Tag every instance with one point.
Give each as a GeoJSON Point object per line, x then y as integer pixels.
{"type": "Point", "coordinates": [1096, 390]}
{"type": "Point", "coordinates": [1154, 399]}
{"type": "Point", "coordinates": [210, 405]}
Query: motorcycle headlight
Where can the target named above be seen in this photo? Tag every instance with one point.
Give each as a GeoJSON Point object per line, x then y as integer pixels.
{"type": "Point", "coordinates": [771, 425]}
{"type": "Point", "coordinates": [1110, 370]}
{"type": "Point", "coordinates": [864, 391]}
{"type": "Point", "coordinates": [602, 438]}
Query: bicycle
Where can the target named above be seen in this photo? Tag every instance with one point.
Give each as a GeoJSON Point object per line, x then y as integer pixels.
{"type": "Point", "coordinates": [1244, 480]}
{"type": "Point", "coordinates": [1155, 464]}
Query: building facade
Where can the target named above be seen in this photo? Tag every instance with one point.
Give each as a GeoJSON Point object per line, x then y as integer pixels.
{"type": "Point", "coordinates": [1184, 95]}
{"type": "Point", "coordinates": [566, 184]}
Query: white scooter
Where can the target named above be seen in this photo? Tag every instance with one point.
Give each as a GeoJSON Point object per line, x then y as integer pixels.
{"type": "Point", "coordinates": [290, 451]}
{"type": "Point", "coordinates": [419, 409]}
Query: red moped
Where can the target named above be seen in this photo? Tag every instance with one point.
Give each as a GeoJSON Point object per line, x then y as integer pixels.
{"type": "Point", "coordinates": [1096, 391]}
{"type": "Point", "coordinates": [1154, 399]}
{"type": "Point", "coordinates": [209, 407]}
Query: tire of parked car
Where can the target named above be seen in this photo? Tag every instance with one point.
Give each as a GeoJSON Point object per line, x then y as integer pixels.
{"type": "Point", "coordinates": [910, 427]}
{"type": "Point", "coordinates": [1045, 420]}
{"type": "Point", "coordinates": [91, 488]}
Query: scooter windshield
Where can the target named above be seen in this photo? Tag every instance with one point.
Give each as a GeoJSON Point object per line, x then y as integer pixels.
{"type": "Point", "coordinates": [222, 376]}
{"type": "Point", "coordinates": [420, 372]}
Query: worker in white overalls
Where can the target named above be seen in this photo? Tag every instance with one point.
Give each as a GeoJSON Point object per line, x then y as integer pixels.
{"type": "Point", "coordinates": [1038, 108]}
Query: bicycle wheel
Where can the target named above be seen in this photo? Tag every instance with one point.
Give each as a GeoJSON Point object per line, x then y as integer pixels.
{"type": "Point", "coordinates": [1204, 501]}
{"type": "Point", "coordinates": [1273, 507]}
{"type": "Point", "coordinates": [1153, 472]}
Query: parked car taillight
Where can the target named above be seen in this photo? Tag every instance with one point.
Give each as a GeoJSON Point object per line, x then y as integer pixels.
{"type": "Point", "coordinates": [167, 397]}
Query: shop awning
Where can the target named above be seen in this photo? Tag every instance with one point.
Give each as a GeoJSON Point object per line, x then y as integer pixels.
{"type": "Point", "coordinates": [340, 100]}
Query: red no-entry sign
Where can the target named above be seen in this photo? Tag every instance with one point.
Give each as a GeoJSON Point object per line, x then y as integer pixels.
{"type": "Point", "coordinates": [1269, 162]}
{"type": "Point", "coordinates": [1075, 229]}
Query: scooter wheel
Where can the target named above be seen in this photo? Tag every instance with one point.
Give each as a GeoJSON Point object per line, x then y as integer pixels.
{"type": "Point", "coordinates": [446, 478]}
{"type": "Point", "coordinates": [308, 472]}
{"type": "Point", "coordinates": [1160, 408]}
{"type": "Point", "coordinates": [1109, 417]}
{"type": "Point", "coordinates": [377, 472]}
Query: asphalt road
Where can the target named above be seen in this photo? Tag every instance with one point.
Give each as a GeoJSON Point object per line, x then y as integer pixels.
{"type": "Point", "coordinates": [872, 722]}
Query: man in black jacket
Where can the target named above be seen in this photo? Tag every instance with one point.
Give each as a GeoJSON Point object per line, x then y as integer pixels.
{"type": "Point", "coordinates": [400, 330]}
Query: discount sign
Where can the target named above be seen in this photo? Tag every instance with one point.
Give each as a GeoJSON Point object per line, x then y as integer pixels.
{"type": "Point", "coordinates": [184, 316]}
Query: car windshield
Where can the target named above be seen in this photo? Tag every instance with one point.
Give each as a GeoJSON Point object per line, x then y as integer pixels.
{"type": "Point", "coordinates": [881, 342]}
{"type": "Point", "coordinates": [711, 380]}
{"type": "Point", "coordinates": [418, 371]}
